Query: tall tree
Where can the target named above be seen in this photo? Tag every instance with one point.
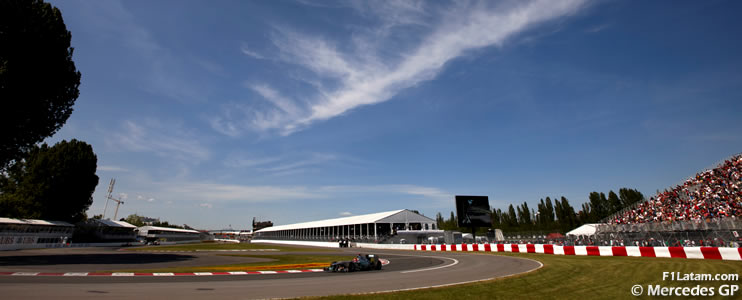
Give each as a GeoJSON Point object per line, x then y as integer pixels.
{"type": "Point", "coordinates": [512, 217]}
{"type": "Point", "coordinates": [38, 79]}
{"type": "Point", "coordinates": [549, 211]}
{"type": "Point", "coordinates": [630, 196]}
{"type": "Point", "coordinates": [614, 203]}
{"type": "Point", "coordinates": [52, 183]}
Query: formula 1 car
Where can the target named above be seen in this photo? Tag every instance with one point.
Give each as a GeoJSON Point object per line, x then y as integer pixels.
{"type": "Point", "coordinates": [359, 263]}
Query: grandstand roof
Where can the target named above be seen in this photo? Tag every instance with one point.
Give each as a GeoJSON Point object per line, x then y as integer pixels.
{"type": "Point", "coordinates": [395, 216]}
{"type": "Point", "coordinates": [148, 228]}
{"type": "Point", "coordinates": [113, 223]}
{"type": "Point", "coordinates": [33, 222]}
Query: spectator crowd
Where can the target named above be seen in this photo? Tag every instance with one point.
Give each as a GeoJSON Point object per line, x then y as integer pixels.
{"type": "Point", "coordinates": [711, 194]}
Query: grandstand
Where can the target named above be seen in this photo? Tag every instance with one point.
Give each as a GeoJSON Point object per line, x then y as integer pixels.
{"type": "Point", "coordinates": [705, 210]}
{"type": "Point", "coordinates": [154, 234]}
{"type": "Point", "coordinates": [377, 227]}
{"type": "Point", "coordinates": [104, 231]}
{"type": "Point", "coordinates": [28, 233]}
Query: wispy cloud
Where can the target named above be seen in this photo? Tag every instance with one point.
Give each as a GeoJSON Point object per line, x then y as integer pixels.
{"type": "Point", "coordinates": [206, 205]}
{"type": "Point", "coordinates": [345, 214]}
{"type": "Point", "coordinates": [112, 169]}
{"type": "Point", "coordinates": [597, 28]}
{"type": "Point", "coordinates": [215, 192]}
{"type": "Point", "coordinates": [283, 164]}
{"type": "Point", "coordinates": [163, 71]}
{"type": "Point", "coordinates": [435, 195]}
{"type": "Point", "coordinates": [246, 51]}
{"type": "Point", "coordinates": [371, 72]}
{"type": "Point", "coordinates": [164, 140]}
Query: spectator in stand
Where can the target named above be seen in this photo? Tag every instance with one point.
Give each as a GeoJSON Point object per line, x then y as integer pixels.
{"type": "Point", "coordinates": [711, 194]}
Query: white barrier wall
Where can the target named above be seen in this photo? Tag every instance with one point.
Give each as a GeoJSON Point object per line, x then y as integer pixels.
{"type": "Point", "coordinates": [337, 245]}
{"type": "Point", "coordinates": [299, 243]}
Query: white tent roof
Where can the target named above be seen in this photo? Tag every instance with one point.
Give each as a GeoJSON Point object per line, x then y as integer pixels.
{"type": "Point", "coordinates": [148, 228]}
{"type": "Point", "coordinates": [395, 216]}
{"type": "Point", "coordinates": [33, 222]}
{"type": "Point", "coordinates": [585, 229]}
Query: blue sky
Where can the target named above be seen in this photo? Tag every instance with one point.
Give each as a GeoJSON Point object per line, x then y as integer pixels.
{"type": "Point", "coordinates": [211, 113]}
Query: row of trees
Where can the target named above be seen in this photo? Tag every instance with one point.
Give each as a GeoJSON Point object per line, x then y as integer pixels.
{"type": "Point", "coordinates": [555, 215]}
{"type": "Point", "coordinates": [138, 221]}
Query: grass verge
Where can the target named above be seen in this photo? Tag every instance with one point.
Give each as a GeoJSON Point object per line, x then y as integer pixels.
{"type": "Point", "coordinates": [280, 262]}
{"type": "Point", "coordinates": [578, 277]}
{"type": "Point", "coordinates": [225, 246]}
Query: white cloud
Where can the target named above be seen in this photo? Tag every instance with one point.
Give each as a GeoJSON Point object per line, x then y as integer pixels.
{"type": "Point", "coordinates": [216, 192]}
{"type": "Point", "coordinates": [431, 193]}
{"type": "Point", "coordinates": [163, 72]}
{"type": "Point", "coordinates": [372, 72]}
{"type": "Point", "coordinates": [112, 169]}
{"type": "Point", "coordinates": [281, 165]}
{"type": "Point", "coordinates": [245, 50]}
{"type": "Point", "coordinates": [206, 205]}
{"type": "Point", "coordinates": [150, 199]}
{"type": "Point", "coordinates": [346, 214]}
{"type": "Point", "coordinates": [164, 140]}
{"type": "Point", "coordinates": [123, 196]}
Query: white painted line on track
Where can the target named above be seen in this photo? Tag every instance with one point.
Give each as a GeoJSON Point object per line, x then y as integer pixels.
{"type": "Point", "coordinates": [75, 274]}
{"type": "Point", "coordinates": [122, 274]}
{"type": "Point", "coordinates": [25, 273]}
{"type": "Point", "coordinates": [203, 273]}
{"type": "Point", "coordinates": [455, 262]}
{"type": "Point", "coordinates": [541, 265]}
{"type": "Point", "coordinates": [163, 274]}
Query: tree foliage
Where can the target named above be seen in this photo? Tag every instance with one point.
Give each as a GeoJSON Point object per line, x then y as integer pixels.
{"type": "Point", "coordinates": [51, 183]}
{"type": "Point", "coordinates": [38, 79]}
{"type": "Point", "coordinates": [557, 215]}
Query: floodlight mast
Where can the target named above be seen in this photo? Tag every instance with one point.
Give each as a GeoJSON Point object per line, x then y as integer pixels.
{"type": "Point", "coordinates": [110, 197]}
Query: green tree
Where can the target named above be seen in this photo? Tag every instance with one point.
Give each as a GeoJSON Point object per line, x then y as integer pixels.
{"type": "Point", "coordinates": [512, 217]}
{"type": "Point", "coordinates": [38, 79]}
{"type": "Point", "coordinates": [51, 183]}
{"type": "Point", "coordinates": [630, 196]}
{"type": "Point", "coordinates": [134, 220]}
{"type": "Point", "coordinates": [614, 203]}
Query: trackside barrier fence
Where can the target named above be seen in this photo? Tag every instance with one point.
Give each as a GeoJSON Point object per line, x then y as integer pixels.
{"type": "Point", "coordinates": [674, 252]}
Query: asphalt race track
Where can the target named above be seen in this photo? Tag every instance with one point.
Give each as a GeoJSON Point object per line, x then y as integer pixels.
{"type": "Point", "coordinates": [407, 270]}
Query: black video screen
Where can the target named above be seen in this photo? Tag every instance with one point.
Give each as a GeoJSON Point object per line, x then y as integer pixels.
{"type": "Point", "coordinates": [473, 211]}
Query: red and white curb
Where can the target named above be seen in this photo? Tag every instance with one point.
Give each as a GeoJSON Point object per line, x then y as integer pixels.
{"type": "Point", "coordinates": [384, 262]}
{"type": "Point", "coordinates": [674, 252]}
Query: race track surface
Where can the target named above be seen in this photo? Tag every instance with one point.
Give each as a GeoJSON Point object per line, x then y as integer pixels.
{"type": "Point", "coordinates": [407, 270]}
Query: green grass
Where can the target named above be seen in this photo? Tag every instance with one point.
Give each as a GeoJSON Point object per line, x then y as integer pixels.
{"type": "Point", "coordinates": [280, 262]}
{"type": "Point", "coordinates": [577, 277]}
{"type": "Point", "coordinates": [225, 246]}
